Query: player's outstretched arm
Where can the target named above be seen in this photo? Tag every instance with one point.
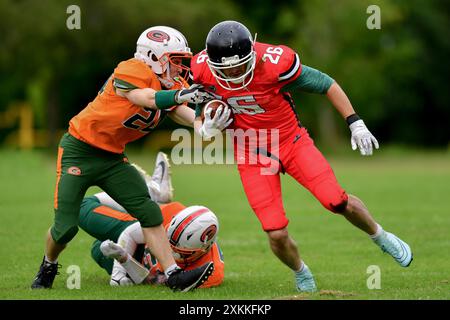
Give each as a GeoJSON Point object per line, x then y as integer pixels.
{"type": "Point", "coordinates": [183, 115]}
{"type": "Point", "coordinates": [314, 81]}
{"type": "Point", "coordinates": [140, 97]}
{"type": "Point", "coordinates": [166, 99]}
{"type": "Point", "coordinates": [340, 100]}
{"type": "Point", "coordinates": [361, 138]}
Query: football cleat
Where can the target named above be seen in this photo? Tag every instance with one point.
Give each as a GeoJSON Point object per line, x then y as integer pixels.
{"type": "Point", "coordinates": [158, 278]}
{"type": "Point", "coordinates": [112, 250]}
{"type": "Point", "coordinates": [181, 280]}
{"type": "Point", "coordinates": [397, 248]}
{"type": "Point", "coordinates": [46, 275]}
{"type": "Point", "coordinates": [305, 280]}
{"type": "Point", "coordinates": [162, 177]}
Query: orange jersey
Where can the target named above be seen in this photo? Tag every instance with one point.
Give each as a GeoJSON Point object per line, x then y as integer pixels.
{"type": "Point", "coordinates": [214, 254]}
{"type": "Point", "coordinates": [111, 121]}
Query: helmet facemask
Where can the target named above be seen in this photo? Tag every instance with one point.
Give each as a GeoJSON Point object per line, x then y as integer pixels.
{"type": "Point", "coordinates": [231, 54]}
{"type": "Point", "coordinates": [175, 68]}
{"type": "Point", "coordinates": [186, 256]}
{"type": "Point", "coordinates": [229, 81]}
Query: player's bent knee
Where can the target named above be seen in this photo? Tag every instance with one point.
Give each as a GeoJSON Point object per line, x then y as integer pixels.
{"type": "Point", "coordinates": [278, 235]}
{"type": "Point", "coordinates": [339, 206]}
{"type": "Point", "coordinates": [64, 235]}
{"type": "Point", "coordinates": [149, 214]}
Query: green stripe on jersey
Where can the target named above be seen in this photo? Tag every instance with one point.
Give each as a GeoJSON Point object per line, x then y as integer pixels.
{"type": "Point", "coordinates": [123, 85]}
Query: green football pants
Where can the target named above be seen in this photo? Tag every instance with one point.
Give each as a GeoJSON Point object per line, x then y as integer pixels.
{"type": "Point", "coordinates": [80, 166]}
{"type": "Point", "coordinates": [100, 223]}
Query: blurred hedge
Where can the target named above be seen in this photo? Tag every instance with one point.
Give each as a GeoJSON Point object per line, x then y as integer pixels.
{"type": "Point", "coordinates": [396, 77]}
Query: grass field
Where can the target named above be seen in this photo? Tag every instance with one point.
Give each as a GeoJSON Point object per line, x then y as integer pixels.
{"type": "Point", "coordinates": [408, 193]}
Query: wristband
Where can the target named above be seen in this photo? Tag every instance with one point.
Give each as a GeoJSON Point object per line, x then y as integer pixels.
{"type": "Point", "coordinates": [352, 118]}
{"type": "Point", "coordinates": [165, 99]}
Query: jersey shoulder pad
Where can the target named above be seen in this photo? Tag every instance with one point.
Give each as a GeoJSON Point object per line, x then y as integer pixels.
{"type": "Point", "coordinates": [280, 61]}
{"type": "Point", "coordinates": [199, 67]}
{"type": "Point", "coordinates": [133, 74]}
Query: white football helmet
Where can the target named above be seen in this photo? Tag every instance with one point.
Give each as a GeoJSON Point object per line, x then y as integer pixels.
{"type": "Point", "coordinates": [159, 46]}
{"type": "Point", "coordinates": [192, 232]}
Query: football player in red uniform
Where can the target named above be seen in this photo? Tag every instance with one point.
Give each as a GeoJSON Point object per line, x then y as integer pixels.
{"type": "Point", "coordinates": [256, 79]}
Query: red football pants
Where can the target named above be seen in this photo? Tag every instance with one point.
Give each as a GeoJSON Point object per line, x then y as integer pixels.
{"type": "Point", "coordinates": [299, 158]}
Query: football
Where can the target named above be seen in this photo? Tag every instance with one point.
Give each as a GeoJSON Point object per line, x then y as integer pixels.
{"type": "Point", "coordinates": [214, 104]}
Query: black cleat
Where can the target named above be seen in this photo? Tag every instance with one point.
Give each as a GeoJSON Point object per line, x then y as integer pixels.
{"type": "Point", "coordinates": [46, 275]}
{"type": "Point", "coordinates": [180, 280]}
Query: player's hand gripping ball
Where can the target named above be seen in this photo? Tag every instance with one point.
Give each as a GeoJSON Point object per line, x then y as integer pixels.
{"type": "Point", "coordinates": [214, 105]}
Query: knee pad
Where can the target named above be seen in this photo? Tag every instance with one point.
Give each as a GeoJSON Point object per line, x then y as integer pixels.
{"type": "Point", "coordinates": [64, 235]}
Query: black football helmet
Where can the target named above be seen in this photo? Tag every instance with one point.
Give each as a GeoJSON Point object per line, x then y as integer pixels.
{"type": "Point", "coordinates": [231, 54]}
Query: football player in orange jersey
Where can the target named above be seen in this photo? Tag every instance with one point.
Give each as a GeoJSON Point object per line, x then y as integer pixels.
{"type": "Point", "coordinates": [192, 233]}
{"type": "Point", "coordinates": [136, 97]}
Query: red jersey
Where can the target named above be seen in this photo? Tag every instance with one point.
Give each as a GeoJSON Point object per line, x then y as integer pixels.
{"type": "Point", "coordinates": [262, 104]}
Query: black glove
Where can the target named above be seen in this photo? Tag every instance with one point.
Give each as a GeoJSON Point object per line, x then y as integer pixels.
{"type": "Point", "coordinates": [194, 94]}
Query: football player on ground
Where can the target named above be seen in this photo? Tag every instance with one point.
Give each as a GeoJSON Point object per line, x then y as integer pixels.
{"type": "Point", "coordinates": [192, 233]}
{"type": "Point", "coordinates": [136, 97]}
{"type": "Point", "coordinates": [256, 79]}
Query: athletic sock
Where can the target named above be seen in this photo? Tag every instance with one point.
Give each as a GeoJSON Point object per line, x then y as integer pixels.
{"type": "Point", "coordinates": [46, 259]}
{"type": "Point", "coordinates": [302, 268]}
{"type": "Point", "coordinates": [377, 234]}
{"type": "Point", "coordinates": [171, 269]}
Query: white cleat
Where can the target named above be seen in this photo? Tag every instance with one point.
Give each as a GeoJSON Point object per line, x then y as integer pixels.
{"type": "Point", "coordinates": [305, 280]}
{"type": "Point", "coordinates": [396, 247]}
{"type": "Point", "coordinates": [162, 177]}
{"type": "Point", "coordinates": [112, 250]}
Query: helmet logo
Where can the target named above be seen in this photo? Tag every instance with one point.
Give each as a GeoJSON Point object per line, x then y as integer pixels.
{"type": "Point", "coordinates": [230, 60]}
{"type": "Point", "coordinates": [209, 233]}
{"type": "Point", "coordinates": [158, 36]}
{"type": "Point", "coordinates": [179, 229]}
{"type": "Point", "coordinates": [75, 171]}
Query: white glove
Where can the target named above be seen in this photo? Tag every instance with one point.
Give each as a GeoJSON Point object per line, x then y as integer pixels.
{"type": "Point", "coordinates": [195, 94]}
{"type": "Point", "coordinates": [362, 138]}
{"type": "Point", "coordinates": [214, 126]}
{"type": "Point", "coordinates": [113, 250]}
